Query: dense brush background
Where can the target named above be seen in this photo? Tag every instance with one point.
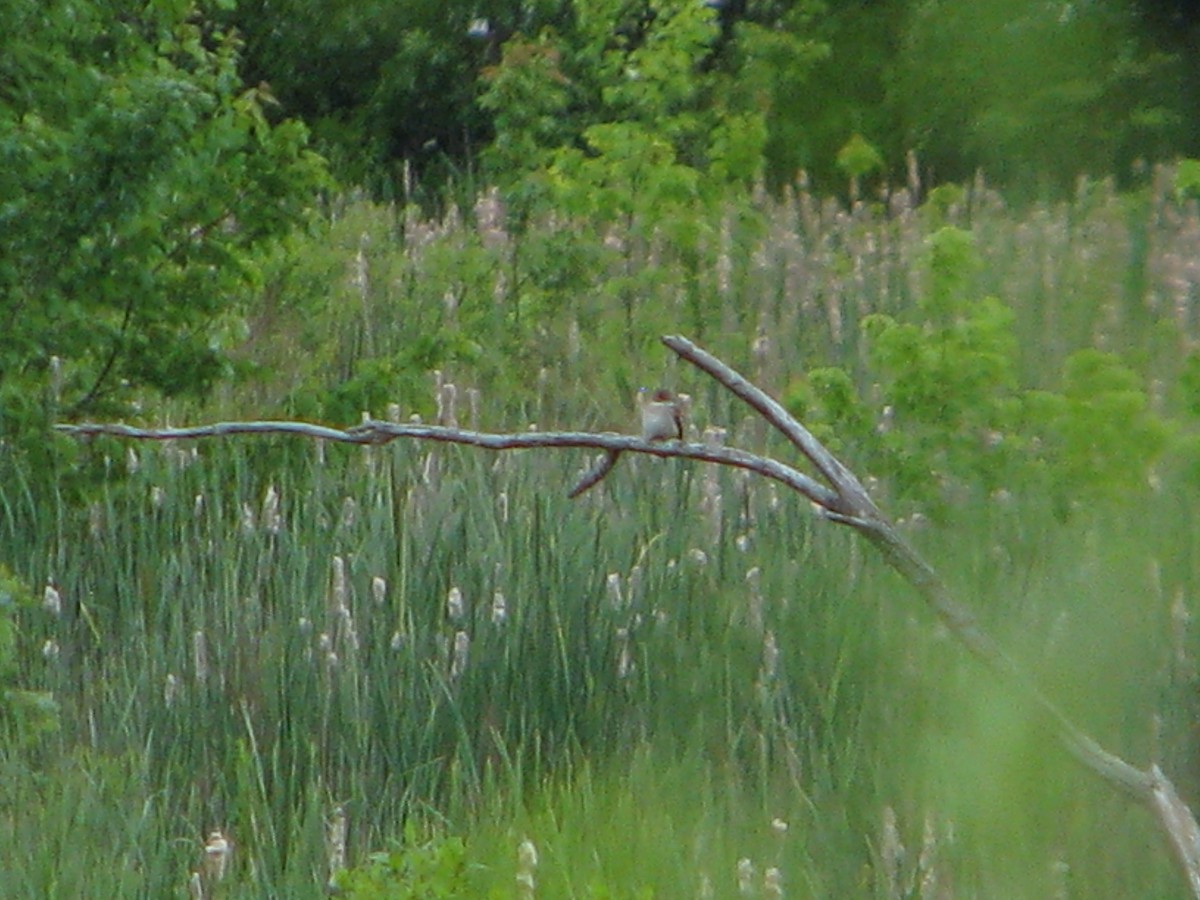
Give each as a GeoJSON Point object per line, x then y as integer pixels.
{"type": "Point", "coordinates": [681, 684]}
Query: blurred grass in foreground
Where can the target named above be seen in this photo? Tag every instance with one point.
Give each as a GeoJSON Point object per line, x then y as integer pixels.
{"type": "Point", "coordinates": [640, 682]}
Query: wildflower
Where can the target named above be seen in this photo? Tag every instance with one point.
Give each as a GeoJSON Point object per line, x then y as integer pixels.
{"type": "Point", "coordinates": [625, 663]}
{"type": "Point", "coordinates": [51, 599]}
{"type": "Point", "coordinates": [56, 377]}
{"type": "Point", "coordinates": [635, 583]}
{"type": "Point", "coordinates": [773, 883]}
{"type": "Point", "coordinates": [698, 556]}
{"type": "Point", "coordinates": [761, 348]}
{"type": "Point", "coordinates": [430, 473]}
{"type": "Point", "coordinates": [199, 656]}
{"type": "Point", "coordinates": [462, 646]}
{"type": "Point", "coordinates": [217, 852]}
{"type": "Point", "coordinates": [527, 863]}
{"type": "Point", "coordinates": [770, 657]}
{"type": "Point", "coordinates": [272, 521]}
{"type": "Point", "coordinates": [346, 629]}
{"type": "Point", "coordinates": [336, 841]}
{"type": "Point", "coordinates": [349, 512]}
{"type": "Point", "coordinates": [247, 519]}
{"type": "Point", "coordinates": [378, 589]}
{"type": "Point", "coordinates": [455, 608]}
{"type": "Point", "coordinates": [359, 277]}
{"type": "Point", "coordinates": [613, 587]}
{"type": "Point", "coordinates": [891, 852]}
{"type": "Point", "coordinates": [447, 397]}
{"type": "Point", "coordinates": [779, 826]}
{"type": "Point", "coordinates": [341, 591]}
{"type": "Point", "coordinates": [745, 877]}
{"type": "Point", "coordinates": [50, 650]}
{"type": "Point", "coordinates": [755, 604]}
{"type": "Point", "coordinates": [198, 506]}
{"type": "Point", "coordinates": [397, 641]}
{"type": "Point", "coordinates": [158, 497]}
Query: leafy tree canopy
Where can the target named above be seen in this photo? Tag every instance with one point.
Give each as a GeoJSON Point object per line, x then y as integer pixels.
{"type": "Point", "coordinates": [138, 179]}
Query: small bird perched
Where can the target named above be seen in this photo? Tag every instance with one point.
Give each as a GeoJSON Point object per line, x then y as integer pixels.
{"type": "Point", "coordinates": [662, 416]}
{"type": "Point", "coordinates": [662, 420]}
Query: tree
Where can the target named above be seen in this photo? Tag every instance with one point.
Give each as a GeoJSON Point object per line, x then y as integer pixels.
{"type": "Point", "coordinates": [139, 179]}
{"type": "Point", "coordinates": [1033, 93]}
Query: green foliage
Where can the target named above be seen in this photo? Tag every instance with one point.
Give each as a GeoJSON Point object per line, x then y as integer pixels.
{"type": "Point", "coordinates": [827, 400]}
{"type": "Point", "coordinates": [139, 181]}
{"type": "Point", "coordinates": [24, 714]}
{"type": "Point", "coordinates": [956, 418]}
{"type": "Point", "coordinates": [973, 87]}
{"type": "Point", "coordinates": [419, 869]}
{"type": "Point", "coordinates": [634, 121]}
{"type": "Point", "coordinates": [858, 158]}
{"type": "Point", "coordinates": [528, 96]}
{"type": "Point", "coordinates": [949, 379]}
{"type": "Point", "coordinates": [746, 90]}
{"type": "Point", "coordinates": [636, 117]}
{"type": "Point", "coordinates": [1100, 432]}
{"type": "Point", "coordinates": [1188, 386]}
{"type": "Point", "coordinates": [1187, 179]}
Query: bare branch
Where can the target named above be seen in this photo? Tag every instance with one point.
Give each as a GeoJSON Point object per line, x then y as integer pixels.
{"type": "Point", "coordinates": [592, 478]}
{"type": "Point", "coordinates": [375, 432]}
{"type": "Point", "coordinates": [854, 500]}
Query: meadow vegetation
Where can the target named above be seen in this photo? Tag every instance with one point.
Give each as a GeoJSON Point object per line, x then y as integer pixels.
{"type": "Point", "coordinates": [429, 666]}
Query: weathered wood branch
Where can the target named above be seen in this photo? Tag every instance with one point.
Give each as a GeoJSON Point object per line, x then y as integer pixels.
{"type": "Point", "coordinates": [842, 500]}
{"type": "Point", "coordinates": [375, 432]}
{"type": "Point", "coordinates": [855, 509]}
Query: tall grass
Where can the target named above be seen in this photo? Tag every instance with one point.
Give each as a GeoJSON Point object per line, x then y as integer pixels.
{"type": "Point", "coordinates": [648, 682]}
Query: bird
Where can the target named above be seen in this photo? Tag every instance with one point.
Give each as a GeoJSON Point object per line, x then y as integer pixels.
{"type": "Point", "coordinates": [662, 416]}
{"type": "Point", "coordinates": [662, 420]}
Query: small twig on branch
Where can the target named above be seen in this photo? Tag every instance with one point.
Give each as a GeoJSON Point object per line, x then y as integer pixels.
{"type": "Point", "coordinates": [592, 478]}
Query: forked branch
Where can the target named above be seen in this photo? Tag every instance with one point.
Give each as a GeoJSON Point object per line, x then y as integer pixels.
{"type": "Point", "coordinates": [841, 499]}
